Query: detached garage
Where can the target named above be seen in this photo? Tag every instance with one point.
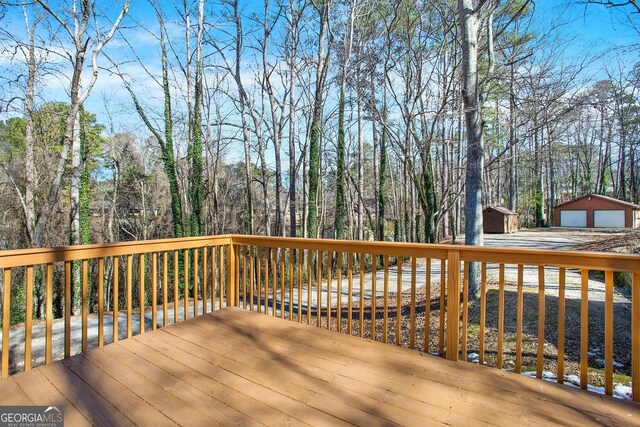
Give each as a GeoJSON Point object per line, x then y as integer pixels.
{"type": "Point", "coordinates": [597, 211]}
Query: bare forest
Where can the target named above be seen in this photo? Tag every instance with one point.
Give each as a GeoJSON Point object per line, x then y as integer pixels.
{"type": "Point", "coordinates": [349, 119]}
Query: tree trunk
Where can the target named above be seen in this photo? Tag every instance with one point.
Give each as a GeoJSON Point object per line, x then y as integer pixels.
{"type": "Point", "coordinates": [469, 24]}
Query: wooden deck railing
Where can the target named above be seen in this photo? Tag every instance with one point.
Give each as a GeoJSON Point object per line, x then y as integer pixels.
{"type": "Point", "coordinates": [349, 287]}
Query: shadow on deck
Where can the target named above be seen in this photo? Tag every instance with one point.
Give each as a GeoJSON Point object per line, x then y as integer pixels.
{"type": "Point", "coordinates": [237, 367]}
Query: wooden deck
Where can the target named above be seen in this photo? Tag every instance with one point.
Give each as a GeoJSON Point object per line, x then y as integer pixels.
{"type": "Point", "coordinates": [238, 367]}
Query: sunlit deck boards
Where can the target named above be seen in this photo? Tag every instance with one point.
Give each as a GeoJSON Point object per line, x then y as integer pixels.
{"type": "Point", "coordinates": [236, 367]}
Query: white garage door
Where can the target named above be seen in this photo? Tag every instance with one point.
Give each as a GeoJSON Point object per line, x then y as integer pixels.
{"type": "Point", "coordinates": [573, 218]}
{"type": "Point", "coordinates": [608, 218]}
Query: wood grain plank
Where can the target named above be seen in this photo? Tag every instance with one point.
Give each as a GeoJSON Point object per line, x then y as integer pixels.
{"type": "Point", "coordinates": [41, 392]}
{"type": "Point", "coordinates": [93, 406]}
{"type": "Point", "coordinates": [99, 378]}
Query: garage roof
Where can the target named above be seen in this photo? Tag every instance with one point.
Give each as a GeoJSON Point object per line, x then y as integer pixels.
{"type": "Point", "coordinates": [600, 196]}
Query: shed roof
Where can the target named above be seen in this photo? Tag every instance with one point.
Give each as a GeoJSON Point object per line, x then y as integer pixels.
{"type": "Point", "coordinates": [501, 209]}
{"type": "Point", "coordinates": [602, 197]}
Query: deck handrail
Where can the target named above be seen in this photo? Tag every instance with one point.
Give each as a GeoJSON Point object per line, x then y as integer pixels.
{"type": "Point", "coordinates": [274, 274]}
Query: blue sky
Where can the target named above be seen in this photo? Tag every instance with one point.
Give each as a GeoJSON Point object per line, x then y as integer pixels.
{"type": "Point", "coordinates": [588, 30]}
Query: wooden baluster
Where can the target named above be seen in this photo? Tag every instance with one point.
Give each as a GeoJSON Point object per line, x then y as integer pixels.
{"type": "Point", "coordinates": [129, 293]}
{"type": "Point", "coordinates": [244, 278]}
{"type": "Point", "coordinates": [412, 321]}
{"type": "Point", "coordinates": [635, 337]}
{"type": "Point", "coordinates": [385, 318]}
{"type": "Point", "coordinates": [519, 317]}
{"type": "Point", "coordinates": [290, 305]}
{"type": "Point", "coordinates": [221, 265]}
{"type": "Point", "coordinates": [6, 321]}
{"type": "Point", "coordinates": [453, 305]}
{"type": "Point", "coordinates": [49, 316]}
{"type": "Point", "coordinates": [300, 255]}
{"type": "Point", "coordinates": [541, 320]}
{"type": "Point", "coordinates": [584, 328]}
{"type": "Point", "coordinates": [465, 309]}
{"type": "Point", "coordinates": [361, 303]}
{"type": "Point", "coordinates": [350, 296]}
{"type": "Point", "coordinates": [399, 300]}
{"type": "Point", "coordinates": [214, 269]}
{"type": "Point", "coordinates": [116, 311]}
{"type": "Point", "coordinates": [154, 290]}
{"type": "Point", "coordinates": [561, 322]}
{"type": "Point", "coordinates": [196, 255]}
{"type": "Point", "coordinates": [443, 287]}
{"type": "Point", "coordinates": [85, 304]}
{"type": "Point", "coordinates": [176, 285]}
{"type": "Point", "coordinates": [374, 272]}
{"type": "Point", "coordinates": [185, 290]}
{"type": "Point", "coordinates": [141, 302]}
{"type": "Point", "coordinates": [220, 268]}
{"type": "Point", "coordinates": [329, 286]}
{"type": "Point", "coordinates": [339, 292]}
{"type": "Point", "coordinates": [258, 280]}
{"type": "Point", "coordinates": [267, 256]}
{"type": "Point", "coordinates": [282, 285]}
{"type": "Point", "coordinates": [165, 288]}
{"type": "Point", "coordinates": [251, 274]}
{"type": "Point", "coordinates": [309, 284]}
{"type": "Point", "coordinates": [205, 282]}
{"type": "Point", "coordinates": [235, 274]}
{"type": "Point", "coordinates": [100, 302]}
{"type": "Point", "coordinates": [608, 333]}
{"type": "Point", "coordinates": [427, 307]}
{"type": "Point", "coordinates": [28, 323]}
{"type": "Point", "coordinates": [500, 315]}
{"type": "Point", "coordinates": [483, 314]}
{"type": "Point", "coordinates": [67, 309]}
{"type": "Point", "coordinates": [319, 288]}
{"type": "Point", "coordinates": [274, 270]}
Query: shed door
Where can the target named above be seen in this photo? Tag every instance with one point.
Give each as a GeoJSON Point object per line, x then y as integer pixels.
{"type": "Point", "coordinates": [608, 218]}
{"type": "Point", "coordinates": [573, 218]}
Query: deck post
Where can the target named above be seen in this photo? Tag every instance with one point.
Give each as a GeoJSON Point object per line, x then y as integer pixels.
{"type": "Point", "coordinates": [231, 274]}
{"type": "Point", "coordinates": [453, 305]}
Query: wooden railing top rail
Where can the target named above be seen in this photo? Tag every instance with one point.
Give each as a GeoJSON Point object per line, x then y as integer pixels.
{"type": "Point", "coordinates": [568, 259]}
{"type": "Point", "coordinates": [22, 257]}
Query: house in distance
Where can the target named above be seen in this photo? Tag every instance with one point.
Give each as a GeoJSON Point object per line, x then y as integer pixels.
{"type": "Point", "coordinates": [596, 210]}
{"type": "Point", "coordinates": [498, 219]}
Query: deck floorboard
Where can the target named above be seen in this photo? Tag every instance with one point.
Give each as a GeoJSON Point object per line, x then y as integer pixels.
{"type": "Point", "coordinates": [235, 367]}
